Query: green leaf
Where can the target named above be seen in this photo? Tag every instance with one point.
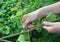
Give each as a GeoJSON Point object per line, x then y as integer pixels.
{"type": "Point", "coordinates": [1, 19]}
{"type": "Point", "coordinates": [50, 17]}
{"type": "Point", "coordinates": [23, 37]}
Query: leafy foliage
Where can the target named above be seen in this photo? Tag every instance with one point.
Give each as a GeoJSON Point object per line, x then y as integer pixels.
{"type": "Point", "coordinates": [51, 17]}
{"type": "Point", "coordinates": [11, 13]}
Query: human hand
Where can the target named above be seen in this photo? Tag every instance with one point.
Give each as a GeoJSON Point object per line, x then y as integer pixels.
{"type": "Point", "coordinates": [27, 20]}
{"type": "Point", "coordinates": [52, 27]}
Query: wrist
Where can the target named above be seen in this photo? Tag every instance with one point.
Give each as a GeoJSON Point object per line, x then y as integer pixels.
{"type": "Point", "coordinates": [44, 11]}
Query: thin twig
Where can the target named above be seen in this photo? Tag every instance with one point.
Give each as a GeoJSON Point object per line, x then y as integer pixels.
{"type": "Point", "coordinates": [20, 33]}
{"type": "Point", "coordinates": [16, 34]}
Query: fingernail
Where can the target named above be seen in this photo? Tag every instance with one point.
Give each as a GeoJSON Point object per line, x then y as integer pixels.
{"type": "Point", "coordinates": [45, 22]}
{"type": "Point", "coordinates": [23, 26]}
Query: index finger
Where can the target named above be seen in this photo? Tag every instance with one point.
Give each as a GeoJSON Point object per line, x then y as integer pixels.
{"type": "Point", "coordinates": [24, 18]}
{"type": "Point", "coordinates": [47, 23]}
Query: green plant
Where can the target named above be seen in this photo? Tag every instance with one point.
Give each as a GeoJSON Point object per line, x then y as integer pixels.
{"type": "Point", "coordinates": [11, 13]}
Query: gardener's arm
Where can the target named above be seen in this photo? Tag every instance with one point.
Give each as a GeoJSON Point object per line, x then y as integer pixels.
{"type": "Point", "coordinates": [54, 7]}
{"type": "Point", "coordinates": [30, 17]}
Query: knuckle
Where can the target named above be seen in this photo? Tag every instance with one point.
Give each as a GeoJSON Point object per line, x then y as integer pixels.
{"type": "Point", "coordinates": [24, 18]}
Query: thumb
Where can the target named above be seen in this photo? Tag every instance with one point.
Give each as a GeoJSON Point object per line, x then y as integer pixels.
{"type": "Point", "coordinates": [49, 29]}
{"type": "Point", "coordinates": [25, 23]}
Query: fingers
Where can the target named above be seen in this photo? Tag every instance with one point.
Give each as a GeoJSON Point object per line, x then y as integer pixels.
{"type": "Point", "coordinates": [49, 26]}
{"type": "Point", "coordinates": [49, 29]}
{"type": "Point", "coordinates": [24, 18]}
{"type": "Point", "coordinates": [30, 25]}
{"type": "Point", "coordinates": [25, 23]}
{"type": "Point", "coordinates": [45, 23]}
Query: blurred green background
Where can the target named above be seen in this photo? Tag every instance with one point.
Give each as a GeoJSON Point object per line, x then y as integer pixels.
{"type": "Point", "coordinates": [11, 13]}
